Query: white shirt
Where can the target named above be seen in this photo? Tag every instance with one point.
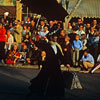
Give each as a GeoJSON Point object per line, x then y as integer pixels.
{"type": "Point", "coordinates": [10, 41]}
{"type": "Point", "coordinates": [54, 48]}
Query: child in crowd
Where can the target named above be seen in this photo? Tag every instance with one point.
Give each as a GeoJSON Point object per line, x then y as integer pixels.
{"type": "Point", "coordinates": [9, 40]}
{"type": "Point", "coordinates": [76, 47]}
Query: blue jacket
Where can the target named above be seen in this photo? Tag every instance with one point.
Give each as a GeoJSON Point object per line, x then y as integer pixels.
{"type": "Point", "coordinates": [77, 44]}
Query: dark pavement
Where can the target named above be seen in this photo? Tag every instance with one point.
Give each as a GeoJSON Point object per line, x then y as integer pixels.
{"type": "Point", "coordinates": [14, 84]}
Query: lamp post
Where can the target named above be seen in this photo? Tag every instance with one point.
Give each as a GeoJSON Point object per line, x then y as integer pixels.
{"type": "Point", "coordinates": [18, 10]}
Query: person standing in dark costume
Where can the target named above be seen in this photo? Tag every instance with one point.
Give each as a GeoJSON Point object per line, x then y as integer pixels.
{"type": "Point", "coordinates": [49, 82]}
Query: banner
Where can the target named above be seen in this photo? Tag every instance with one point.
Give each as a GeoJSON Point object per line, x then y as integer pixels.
{"type": "Point", "coordinates": [7, 2]}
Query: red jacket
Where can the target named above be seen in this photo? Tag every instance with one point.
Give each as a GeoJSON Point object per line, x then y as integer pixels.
{"type": "Point", "coordinates": [2, 34]}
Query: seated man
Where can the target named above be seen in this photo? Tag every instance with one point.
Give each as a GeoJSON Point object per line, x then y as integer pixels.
{"type": "Point", "coordinates": [97, 65]}
{"type": "Point", "coordinates": [87, 61]}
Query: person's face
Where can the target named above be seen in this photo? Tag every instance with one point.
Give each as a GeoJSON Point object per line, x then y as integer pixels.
{"type": "Point", "coordinates": [27, 36]}
{"type": "Point", "coordinates": [62, 33]}
{"type": "Point", "coordinates": [59, 26]}
{"type": "Point", "coordinates": [11, 25]}
{"type": "Point", "coordinates": [51, 23]}
{"type": "Point", "coordinates": [54, 39]}
{"type": "Point", "coordinates": [94, 22]}
{"type": "Point", "coordinates": [17, 23]}
{"type": "Point", "coordinates": [45, 29]}
{"type": "Point", "coordinates": [42, 23]}
{"type": "Point", "coordinates": [88, 26]}
{"type": "Point", "coordinates": [25, 27]}
{"type": "Point", "coordinates": [28, 28]}
{"type": "Point", "coordinates": [77, 37]}
{"type": "Point", "coordinates": [73, 24]}
{"type": "Point", "coordinates": [81, 27]}
{"type": "Point", "coordinates": [55, 21]}
{"type": "Point", "coordinates": [28, 19]}
{"type": "Point", "coordinates": [8, 32]}
{"type": "Point", "coordinates": [79, 21]}
{"type": "Point", "coordinates": [85, 53]}
{"type": "Point", "coordinates": [15, 47]}
{"type": "Point", "coordinates": [32, 23]}
{"type": "Point", "coordinates": [22, 22]}
{"type": "Point", "coordinates": [69, 24]}
{"type": "Point", "coordinates": [25, 47]}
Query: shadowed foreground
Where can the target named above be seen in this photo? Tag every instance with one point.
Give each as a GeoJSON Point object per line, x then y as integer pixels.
{"type": "Point", "coordinates": [14, 84]}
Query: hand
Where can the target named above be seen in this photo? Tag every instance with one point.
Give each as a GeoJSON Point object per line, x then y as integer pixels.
{"type": "Point", "coordinates": [36, 48]}
{"type": "Point", "coordinates": [7, 43]}
{"type": "Point", "coordinates": [45, 37]}
{"type": "Point", "coordinates": [68, 65]}
{"type": "Point", "coordinates": [17, 57]}
{"type": "Point", "coordinates": [73, 49]}
{"type": "Point", "coordinates": [43, 55]}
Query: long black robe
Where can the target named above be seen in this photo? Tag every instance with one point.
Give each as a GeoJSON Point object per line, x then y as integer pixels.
{"type": "Point", "coordinates": [50, 80]}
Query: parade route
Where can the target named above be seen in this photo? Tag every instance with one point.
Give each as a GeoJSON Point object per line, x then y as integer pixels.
{"type": "Point", "coordinates": [14, 84]}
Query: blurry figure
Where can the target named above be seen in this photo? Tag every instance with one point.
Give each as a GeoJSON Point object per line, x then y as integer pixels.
{"type": "Point", "coordinates": [18, 33]}
{"type": "Point", "coordinates": [28, 21]}
{"type": "Point", "coordinates": [96, 66]}
{"type": "Point", "coordinates": [69, 28]}
{"type": "Point", "coordinates": [67, 46]}
{"type": "Point", "coordinates": [49, 82]}
{"type": "Point", "coordinates": [2, 42]}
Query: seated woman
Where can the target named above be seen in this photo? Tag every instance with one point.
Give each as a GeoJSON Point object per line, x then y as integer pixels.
{"type": "Point", "coordinates": [13, 55]}
{"type": "Point", "coordinates": [97, 65]}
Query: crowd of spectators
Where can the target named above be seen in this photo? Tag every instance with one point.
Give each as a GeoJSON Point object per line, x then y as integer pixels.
{"type": "Point", "coordinates": [22, 41]}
